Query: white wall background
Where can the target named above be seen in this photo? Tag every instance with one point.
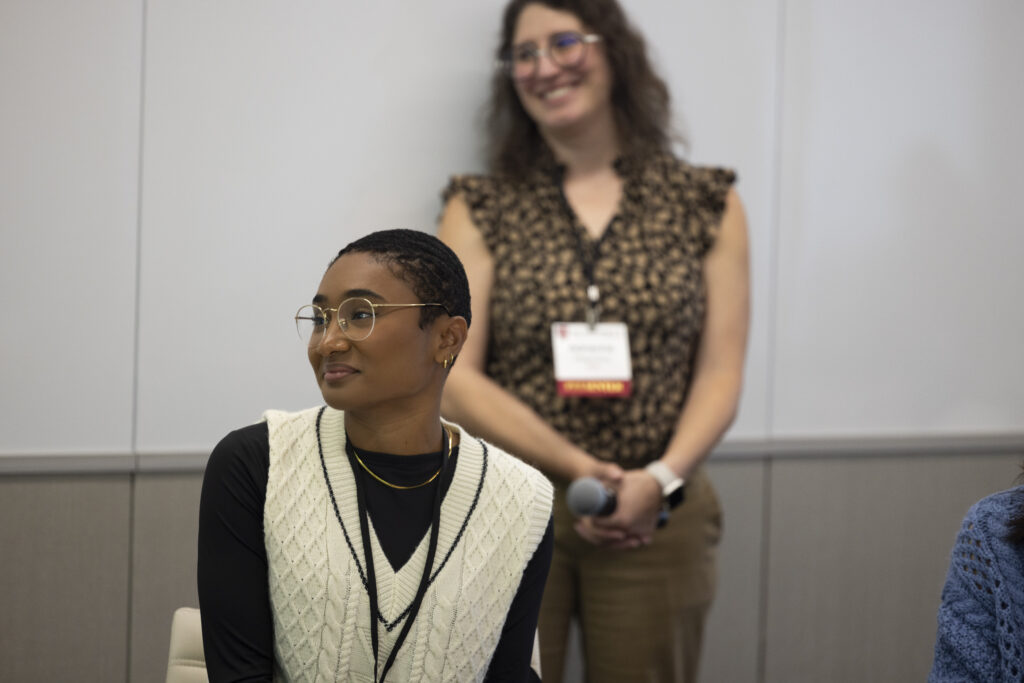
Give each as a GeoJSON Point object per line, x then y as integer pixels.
{"type": "Point", "coordinates": [174, 177]}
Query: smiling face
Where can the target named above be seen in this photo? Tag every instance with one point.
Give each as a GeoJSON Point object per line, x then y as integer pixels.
{"type": "Point", "coordinates": [397, 366]}
{"type": "Point", "coordinates": [559, 98]}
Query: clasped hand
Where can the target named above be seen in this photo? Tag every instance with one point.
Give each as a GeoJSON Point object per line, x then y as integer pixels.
{"type": "Point", "coordinates": [632, 524]}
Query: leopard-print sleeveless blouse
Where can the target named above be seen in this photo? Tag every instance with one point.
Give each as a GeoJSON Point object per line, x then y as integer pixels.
{"type": "Point", "coordinates": [648, 266]}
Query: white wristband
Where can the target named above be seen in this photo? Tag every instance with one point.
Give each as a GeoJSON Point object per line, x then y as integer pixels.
{"type": "Point", "coordinates": [664, 474]}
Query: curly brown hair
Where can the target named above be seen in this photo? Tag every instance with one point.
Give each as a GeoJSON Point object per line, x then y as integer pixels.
{"type": "Point", "coordinates": [640, 98]}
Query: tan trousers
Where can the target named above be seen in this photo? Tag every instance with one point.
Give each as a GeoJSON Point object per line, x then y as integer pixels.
{"type": "Point", "coordinates": [642, 611]}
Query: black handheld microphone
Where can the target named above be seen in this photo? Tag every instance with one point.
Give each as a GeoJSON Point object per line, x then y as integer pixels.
{"type": "Point", "coordinates": [588, 497]}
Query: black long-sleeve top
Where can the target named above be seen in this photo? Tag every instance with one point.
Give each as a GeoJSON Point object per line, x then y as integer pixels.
{"type": "Point", "coordinates": [234, 596]}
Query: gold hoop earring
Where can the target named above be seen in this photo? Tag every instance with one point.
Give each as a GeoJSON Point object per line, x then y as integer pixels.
{"type": "Point", "coordinates": [444, 364]}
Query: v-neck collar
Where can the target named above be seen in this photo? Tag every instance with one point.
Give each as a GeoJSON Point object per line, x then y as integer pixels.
{"type": "Point", "coordinates": [397, 589]}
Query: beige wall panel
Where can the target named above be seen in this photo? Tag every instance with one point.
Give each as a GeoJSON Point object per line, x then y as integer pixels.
{"type": "Point", "coordinates": [64, 578]}
{"type": "Point", "coordinates": [858, 554]}
{"type": "Point", "coordinates": [163, 565]}
{"type": "Point", "coordinates": [731, 641]}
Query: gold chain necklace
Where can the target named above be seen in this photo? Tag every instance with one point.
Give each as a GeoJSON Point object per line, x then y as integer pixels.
{"type": "Point", "coordinates": [396, 486]}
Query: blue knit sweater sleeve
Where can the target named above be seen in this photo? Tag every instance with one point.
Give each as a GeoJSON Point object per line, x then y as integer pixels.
{"type": "Point", "coordinates": [980, 619]}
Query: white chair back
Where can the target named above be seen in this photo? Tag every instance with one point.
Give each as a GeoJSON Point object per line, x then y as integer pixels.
{"type": "Point", "coordinates": [186, 662]}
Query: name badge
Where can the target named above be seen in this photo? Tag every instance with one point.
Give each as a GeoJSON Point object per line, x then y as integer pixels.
{"type": "Point", "coordinates": [592, 360]}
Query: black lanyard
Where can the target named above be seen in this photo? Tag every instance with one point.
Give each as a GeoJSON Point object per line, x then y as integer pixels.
{"type": "Point", "coordinates": [588, 257]}
{"type": "Point", "coordinates": [371, 578]}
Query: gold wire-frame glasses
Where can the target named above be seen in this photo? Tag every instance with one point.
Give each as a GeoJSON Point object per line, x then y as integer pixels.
{"type": "Point", "coordinates": [356, 318]}
{"type": "Point", "coordinates": [567, 49]}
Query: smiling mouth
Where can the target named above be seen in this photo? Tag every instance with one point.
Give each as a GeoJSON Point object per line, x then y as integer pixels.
{"type": "Point", "coordinates": [556, 92]}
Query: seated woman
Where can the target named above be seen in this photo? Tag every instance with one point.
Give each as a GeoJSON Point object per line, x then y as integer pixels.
{"type": "Point", "coordinates": [981, 618]}
{"type": "Point", "coordinates": [367, 539]}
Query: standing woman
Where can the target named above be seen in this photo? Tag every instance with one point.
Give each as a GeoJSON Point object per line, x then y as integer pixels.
{"type": "Point", "coordinates": [588, 245]}
{"type": "Point", "coordinates": [367, 540]}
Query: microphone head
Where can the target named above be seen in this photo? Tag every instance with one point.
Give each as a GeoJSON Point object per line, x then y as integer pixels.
{"type": "Point", "coordinates": [587, 496]}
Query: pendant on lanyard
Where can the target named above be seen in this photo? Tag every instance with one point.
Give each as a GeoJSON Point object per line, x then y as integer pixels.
{"type": "Point", "coordinates": [594, 309]}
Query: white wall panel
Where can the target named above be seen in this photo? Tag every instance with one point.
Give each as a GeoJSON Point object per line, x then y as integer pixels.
{"type": "Point", "coordinates": [69, 150]}
{"type": "Point", "coordinates": [898, 300]}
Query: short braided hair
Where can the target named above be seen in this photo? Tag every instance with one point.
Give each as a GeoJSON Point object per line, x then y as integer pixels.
{"type": "Point", "coordinates": [425, 263]}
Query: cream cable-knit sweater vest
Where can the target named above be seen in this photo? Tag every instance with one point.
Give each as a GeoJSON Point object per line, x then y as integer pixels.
{"type": "Point", "coordinates": [492, 519]}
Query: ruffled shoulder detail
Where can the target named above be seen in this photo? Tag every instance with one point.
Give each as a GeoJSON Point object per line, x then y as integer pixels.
{"type": "Point", "coordinates": [701, 190]}
{"type": "Point", "coordinates": [482, 194]}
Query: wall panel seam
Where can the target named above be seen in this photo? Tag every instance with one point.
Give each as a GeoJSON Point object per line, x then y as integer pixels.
{"type": "Point", "coordinates": [773, 228]}
{"type": "Point", "coordinates": [138, 311]}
